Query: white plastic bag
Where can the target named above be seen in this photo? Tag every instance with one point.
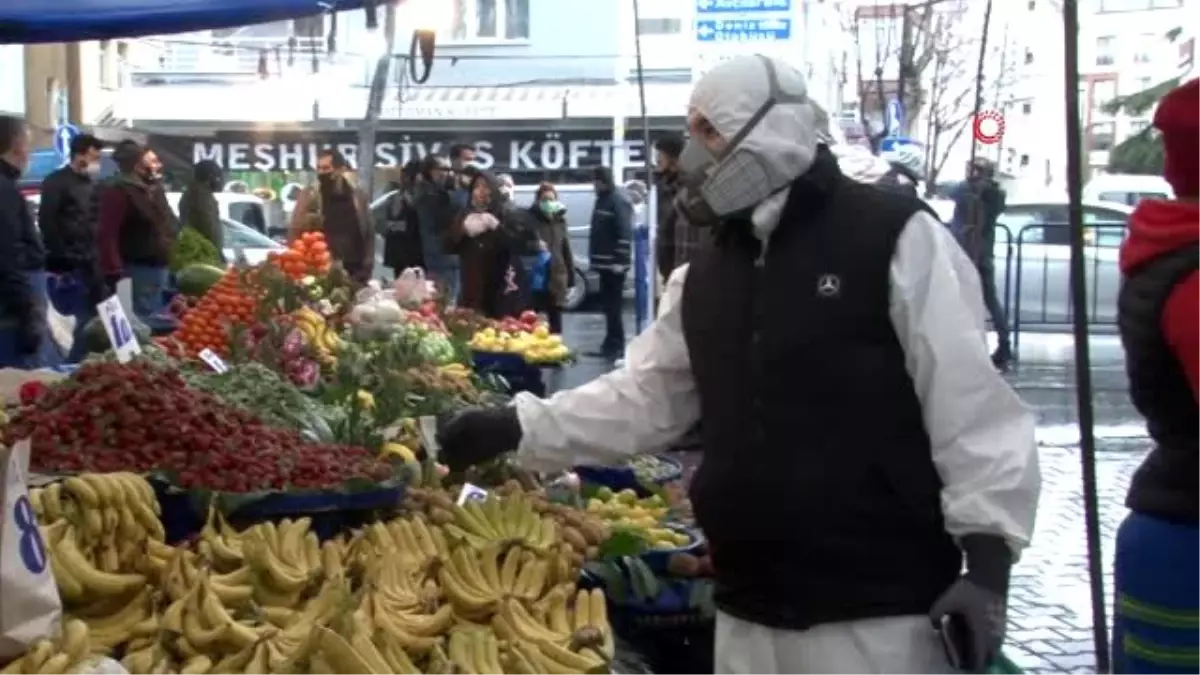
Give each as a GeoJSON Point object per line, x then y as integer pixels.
{"type": "Point", "coordinates": [412, 288]}
{"type": "Point", "coordinates": [29, 605]}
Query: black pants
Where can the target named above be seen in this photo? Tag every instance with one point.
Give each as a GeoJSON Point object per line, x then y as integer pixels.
{"type": "Point", "coordinates": [612, 287]}
{"type": "Point", "coordinates": [543, 301]}
{"type": "Point", "coordinates": [987, 281]}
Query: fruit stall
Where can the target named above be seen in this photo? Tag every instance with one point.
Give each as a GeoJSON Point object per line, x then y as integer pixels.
{"type": "Point", "coordinates": [252, 493]}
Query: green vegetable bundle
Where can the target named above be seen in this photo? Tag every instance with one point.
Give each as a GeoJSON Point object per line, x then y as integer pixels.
{"type": "Point", "coordinates": [192, 248]}
{"type": "Point", "coordinates": [256, 388]}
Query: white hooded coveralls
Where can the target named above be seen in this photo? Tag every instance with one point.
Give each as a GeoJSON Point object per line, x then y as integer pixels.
{"type": "Point", "coordinates": [981, 434]}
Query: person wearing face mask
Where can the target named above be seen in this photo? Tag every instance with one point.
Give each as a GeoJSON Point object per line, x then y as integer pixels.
{"type": "Point", "coordinates": [435, 215]}
{"type": "Point", "coordinates": [67, 219]}
{"type": "Point", "coordinates": [556, 269]}
{"type": "Point", "coordinates": [486, 236]}
{"type": "Point", "coordinates": [867, 477]}
{"type": "Point", "coordinates": [402, 236]}
{"type": "Point", "coordinates": [136, 228]}
{"type": "Point", "coordinates": [336, 207]}
{"type": "Point", "coordinates": [198, 207]}
{"type": "Point", "coordinates": [25, 340]}
{"type": "Point", "coordinates": [462, 158]}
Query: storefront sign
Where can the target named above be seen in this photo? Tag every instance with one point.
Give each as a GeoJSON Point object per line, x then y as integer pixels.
{"type": "Point", "coordinates": [517, 151]}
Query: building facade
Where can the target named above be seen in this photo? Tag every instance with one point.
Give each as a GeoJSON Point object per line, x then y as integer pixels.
{"type": "Point", "coordinates": [1126, 46]}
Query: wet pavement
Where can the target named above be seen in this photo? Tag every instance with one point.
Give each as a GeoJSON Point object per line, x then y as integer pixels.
{"type": "Point", "coordinates": [1050, 611]}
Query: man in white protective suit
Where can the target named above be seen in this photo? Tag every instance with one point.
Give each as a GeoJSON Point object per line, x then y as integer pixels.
{"type": "Point", "coordinates": [867, 477]}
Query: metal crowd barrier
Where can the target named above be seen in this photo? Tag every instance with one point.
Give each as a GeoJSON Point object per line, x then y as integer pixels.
{"type": "Point", "coordinates": [1035, 287]}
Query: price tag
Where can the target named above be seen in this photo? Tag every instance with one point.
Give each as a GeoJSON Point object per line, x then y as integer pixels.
{"type": "Point", "coordinates": [427, 427]}
{"type": "Point", "coordinates": [471, 493]}
{"type": "Point", "coordinates": [120, 333]}
{"type": "Point", "coordinates": [215, 362]}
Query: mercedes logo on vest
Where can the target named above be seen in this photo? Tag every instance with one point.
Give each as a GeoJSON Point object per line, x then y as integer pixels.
{"type": "Point", "coordinates": [828, 285]}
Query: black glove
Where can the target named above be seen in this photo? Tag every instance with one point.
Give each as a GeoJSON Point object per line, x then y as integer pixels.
{"type": "Point", "coordinates": [972, 613]}
{"type": "Point", "coordinates": [477, 435]}
{"type": "Point", "coordinates": [30, 335]}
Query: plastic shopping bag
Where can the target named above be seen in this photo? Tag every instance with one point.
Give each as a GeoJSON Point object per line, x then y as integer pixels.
{"type": "Point", "coordinates": [29, 604]}
{"type": "Point", "coordinates": [411, 287]}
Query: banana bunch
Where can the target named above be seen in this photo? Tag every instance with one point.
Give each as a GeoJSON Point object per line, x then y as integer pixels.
{"type": "Point", "coordinates": [476, 651]}
{"type": "Point", "coordinates": [510, 519]}
{"type": "Point", "coordinates": [115, 515]}
{"type": "Point", "coordinates": [284, 561]}
{"type": "Point", "coordinates": [61, 655]}
{"type": "Point", "coordinates": [555, 638]}
{"type": "Point", "coordinates": [221, 541]}
{"type": "Point", "coordinates": [324, 339]}
{"type": "Point", "coordinates": [387, 612]}
{"type": "Point", "coordinates": [411, 539]}
{"type": "Point", "coordinates": [477, 581]}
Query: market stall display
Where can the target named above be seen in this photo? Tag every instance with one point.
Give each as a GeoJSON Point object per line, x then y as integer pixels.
{"type": "Point", "coordinates": [492, 590]}
{"type": "Point", "coordinates": [526, 336]}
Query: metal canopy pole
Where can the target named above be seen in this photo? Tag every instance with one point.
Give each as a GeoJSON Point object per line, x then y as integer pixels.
{"type": "Point", "coordinates": [645, 310]}
{"type": "Point", "coordinates": [1083, 363]}
{"type": "Point", "coordinates": [370, 123]}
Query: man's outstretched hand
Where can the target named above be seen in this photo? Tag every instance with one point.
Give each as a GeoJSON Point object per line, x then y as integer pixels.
{"type": "Point", "coordinates": [477, 435]}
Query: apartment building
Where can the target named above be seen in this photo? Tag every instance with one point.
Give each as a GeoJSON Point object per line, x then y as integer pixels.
{"type": "Point", "coordinates": [1125, 48]}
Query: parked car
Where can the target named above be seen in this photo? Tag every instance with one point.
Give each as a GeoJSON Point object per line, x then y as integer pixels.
{"type": "Point", "coordinates": [1128, 189]}
{"type": "Point", "coordinates": [1036, 236]}
{"type": "Point", "coordinates": [241, 239]}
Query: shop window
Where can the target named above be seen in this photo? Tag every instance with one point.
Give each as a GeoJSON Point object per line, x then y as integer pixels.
{"type": "Point", "coordinates": [1106, 46]}
{"type": "Point", "coordinates": [1032, 5]}
{"type": "Point", "coordinates": [1147, 44]}
{"type": "Point", "coordinates": [1103, 91]}
{"type": "Point", "coordinates": [1102, 136]}
{"type": "Point", "coordinates": [1028, 56]}
{"type": "Point", "coordinates": [1138, 126]}
{"type": "Point", "coordinates": [1027, 108]}
{"type": "Point", "coordinates": [470, 20]}
{"type": "Point", "coordinates": [1024, 161]}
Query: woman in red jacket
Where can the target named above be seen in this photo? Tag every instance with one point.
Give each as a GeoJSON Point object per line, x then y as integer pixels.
{"type": "Point", "coordinates": [1157, 561]}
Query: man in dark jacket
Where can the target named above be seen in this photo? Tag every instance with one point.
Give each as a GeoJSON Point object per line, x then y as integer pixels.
{"type": "Point", "coordinates": [337, 207]}
{"type": "Point", "coordinates": [675, 241]}
{"type": "Point", "coordinates": [399, 227]}
{"type": "Point", "coordinates": [67, 218]}
{"type": "Point", "coordinates": [198, 207]}
{"type": "Point", "coordinates": [24, 336]}
{"type": "Point", "coordinates": [978, 203]}
{"type": "Point", "coordinates": [435, 213]}
{"type": "Point", "coordinates": [608, 248]}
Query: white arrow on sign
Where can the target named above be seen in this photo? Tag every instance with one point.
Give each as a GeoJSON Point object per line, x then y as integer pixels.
{"type": "Point", "coordinates": [705, 30]}
{"type": "Point", "coordinates": [704, 4]}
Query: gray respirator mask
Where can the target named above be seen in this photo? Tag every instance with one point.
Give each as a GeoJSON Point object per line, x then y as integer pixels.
{"type": "Point", "coordinates": [716, 187]}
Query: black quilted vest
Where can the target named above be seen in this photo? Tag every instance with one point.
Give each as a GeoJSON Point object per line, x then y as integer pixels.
{"type": "Point", "coordinates": [1168, 482]}
{"type": "Point", "coordinates": [817, 490]}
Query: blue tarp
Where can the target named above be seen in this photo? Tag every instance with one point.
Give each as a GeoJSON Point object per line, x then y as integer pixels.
{"type": "Point", "coordinates": [32, 21]}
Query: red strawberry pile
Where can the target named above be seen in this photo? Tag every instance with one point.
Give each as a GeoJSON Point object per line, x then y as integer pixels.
{"type": "Point", "coordinates": [139, 417]}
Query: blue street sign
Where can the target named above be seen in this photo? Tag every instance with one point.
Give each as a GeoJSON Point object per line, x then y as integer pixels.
{"type": "Point", "coordinates": [742, 6]}
{"type": "Point", "coordinates": [743, 30]}
{"type": "Point", "coordinates": [63, 135]}
{"type": "Point", "coordinates": [895, 117]}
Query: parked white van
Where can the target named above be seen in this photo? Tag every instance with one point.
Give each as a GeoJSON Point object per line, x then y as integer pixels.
{"type": "Point", "coordinates": [1126, 188]}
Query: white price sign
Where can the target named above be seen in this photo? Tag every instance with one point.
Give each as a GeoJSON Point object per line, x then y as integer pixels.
{"type": "Point", "coordinates": [120, 333]}
{"type": "Point", "coordinates": [215, 362]}
{"type": "Point", "coordinates": [471, 493]}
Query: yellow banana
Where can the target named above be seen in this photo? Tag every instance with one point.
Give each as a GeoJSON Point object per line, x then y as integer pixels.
{"type": "Point", "coordinates": [424, 538]}
{"type": "Point", "coordinates": [36, 655]}
{"type": "Point", "coordinates": [466, 564]}
{"type": "Point", "coordinates": [331, 560]}
{"type": "Point", "coordinates": [232, 596]}
{"type": "Point", "coordinates": [340, 655]}
{"type": "Point", "coordinates": [475, 508]}
{"type": "Point", "coordinates": [196, 665]}
{"type": "Point", "coordinates": [424, 625]}
{"type": "Point", "coordinates": [216, 615]}
{"type": "Point", "coordinates": [397, 659]}
{"type": "Point", "coordinates": [77, 566]}
{"type": "Point", "coordinates": [236, 662]}
{"type": "Point", "coordinates": [360, 641]}
{"type": "Point", "coordinates": [556, 615]}
{"type": "Point", "coordinates": [461, 653]}
{"type": "Point", "coordinates": [598, 619]}
{"type": "Point", "coordinates": [56, 664]}
{"type": "Point", "coordinates": [510, 570]}
{"type": "Point", "coordinates": [35, 502]}
{"type": "Point", "coordinates": [52, 502]}
{"type": "Point", "coordinates": [74, 639]}
{"type": "Point", "coordinates": [459, 534]}
{"type": "Point", "coordinates": [283, 576]}
{"type": "Point", "coordinates": [258, 665]}
{"type": "Point", "coordinates": [523, 625]}
{"type": "Point", "coordinates": [489, 565]}
{"type": "Point", "coordinates": [578, 663]}
{"type": "Point", "coordinates": [312, 553]}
